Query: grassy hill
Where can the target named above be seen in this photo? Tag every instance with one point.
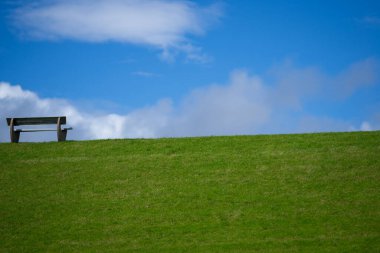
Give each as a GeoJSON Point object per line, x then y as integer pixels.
{"type": "Point", "coordinates": [266, 193]}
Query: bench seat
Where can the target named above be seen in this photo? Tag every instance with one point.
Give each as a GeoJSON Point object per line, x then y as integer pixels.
{"type": "Point", "coordinates": [41, 130]}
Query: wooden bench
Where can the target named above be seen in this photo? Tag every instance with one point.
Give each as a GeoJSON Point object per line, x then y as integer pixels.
{"type": "Point", "coordinates": [15, 133]}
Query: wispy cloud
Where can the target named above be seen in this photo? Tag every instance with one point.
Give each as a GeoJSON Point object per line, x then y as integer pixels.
{"type": "Point", "coordinates": [164, 24]}
{"type": "Point", "coordinates": [296, 84]}
{"type": "Point", "coordinates": [358, 75]}
{"type": "Point", "coordinates": [246, 104]}
{"type": "Point", "coordinates": [372, 20]}
{"type": "Point", "coordinates": [145, 74]}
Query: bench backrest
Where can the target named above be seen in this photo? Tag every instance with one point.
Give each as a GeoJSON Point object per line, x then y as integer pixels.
{"type": "Point", "coordinates": [36, 121]}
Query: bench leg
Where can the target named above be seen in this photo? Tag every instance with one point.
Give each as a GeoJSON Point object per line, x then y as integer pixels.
{"type": "Point", "coordinates": [61, 134]}
{"type": "Point", "coordinates": [15, 135]}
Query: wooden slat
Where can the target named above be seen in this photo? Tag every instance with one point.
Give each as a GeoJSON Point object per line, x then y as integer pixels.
{"type": "Point", "coordinates": [41, 130]}
{"type": "Point", "coordinates": [36, 121]}
{"type": "Point", "coordinates": [35, 130]}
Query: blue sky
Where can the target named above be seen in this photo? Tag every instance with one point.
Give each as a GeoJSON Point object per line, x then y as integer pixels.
{"type": "Point", "coordinates": [189, 68]}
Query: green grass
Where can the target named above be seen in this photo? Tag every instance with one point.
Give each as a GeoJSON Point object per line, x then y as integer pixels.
{"type": "Point", "coordinates": [266, 193]}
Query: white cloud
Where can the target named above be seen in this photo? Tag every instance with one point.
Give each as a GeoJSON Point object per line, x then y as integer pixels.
{"type": "Point", "coordinates": [246, 104]}
{"type": "Point", "coordinates": [241, 106]}
{"type": "Point", "coordinates": [164, 24]}
{"type": "Point", "coordinates": [365, 126]}
{"type": "Point", "coordinates": [358, 75]}
{"type": "Point", "coordinates": [16, 102]}
{"type": "Point", "coordinates": [296, 84]}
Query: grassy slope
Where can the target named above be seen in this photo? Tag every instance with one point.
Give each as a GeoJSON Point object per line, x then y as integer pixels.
{"type": "Point", "coordinates": [310, 193]}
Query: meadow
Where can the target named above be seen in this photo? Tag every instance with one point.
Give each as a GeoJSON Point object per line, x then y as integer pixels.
{"type": "Point", "coordinates": [263, 193]}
